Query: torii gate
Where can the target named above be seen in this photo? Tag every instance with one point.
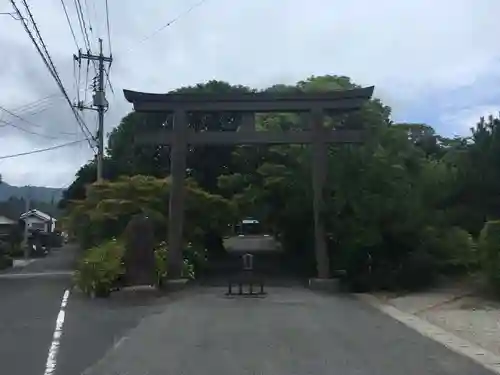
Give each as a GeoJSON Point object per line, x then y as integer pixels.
{"type": "Point", "coordinates": [316, 105]}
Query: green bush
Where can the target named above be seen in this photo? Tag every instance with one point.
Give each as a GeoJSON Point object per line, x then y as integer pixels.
{"type": "Point", "coordinates": [195, 257]}
{"type": "Point", "coordinates": [461, 248]}
{"type": "Point", "coordinates": [453, 248]}
{"type": "Point", "coordinates": [489, 250]}
{"type": "Point", "coordinates": [100, 268]}
{"type": "Point", "coordinates": [161, 263]}
{"type": "Point", "coordinates": [376, 268]}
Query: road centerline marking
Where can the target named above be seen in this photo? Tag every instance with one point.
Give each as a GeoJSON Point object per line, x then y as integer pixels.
{"type": "Point", "coordinates": [51, 363]}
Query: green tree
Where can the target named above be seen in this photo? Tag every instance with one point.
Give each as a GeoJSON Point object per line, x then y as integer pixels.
{"type": "Point", "coordinates": [109, 206]}
{"type": "Point", "coordinates": [393, 204]}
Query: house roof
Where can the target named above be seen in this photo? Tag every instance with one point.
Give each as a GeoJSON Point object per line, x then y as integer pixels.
{"type": "Point", "coordinates": [37, 213]}
{"type": "Point", "coordinates": [6, 221]}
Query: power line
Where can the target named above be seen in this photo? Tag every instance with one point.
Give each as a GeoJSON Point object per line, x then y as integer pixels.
{"type": "Point", "coordinates": [83, 26]}
{"type": "Point", "coordinates": [7, 123]}
{"type": "Point", "coordinates": [35, 107]}
{"type": "Point", "coordinates": [35, 103]}
{"type": "Point", "coordinates": [41, 150]}
{"type": "Point", "coordinates": [44, 47]}
{"type": "Point", "coordinates": [107, 27]}
{"type": "Point", "coordinates": [172, 21]}
{"type": "Point", "coordinates": [69, 23]}
{"type": "Point", "coordinates": [90, 20]}
{"type": "Point", "coordinates": [108, 81]}
{"type": "Point", "coordinates": [52, 71]}
{"type": "Point", "coordinates": [27, 122]}
{"type": "Point", "coordinates": [11, 14]}
{"type": "Point", "coordinates": [96, 18]}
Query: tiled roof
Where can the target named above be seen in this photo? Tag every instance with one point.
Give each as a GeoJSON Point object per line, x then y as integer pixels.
{"type": "Point", "coordinates": [39, 214]}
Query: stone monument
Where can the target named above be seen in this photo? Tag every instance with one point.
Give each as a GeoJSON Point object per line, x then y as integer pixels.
{"type": "Point", "coordinates": [139, 258]}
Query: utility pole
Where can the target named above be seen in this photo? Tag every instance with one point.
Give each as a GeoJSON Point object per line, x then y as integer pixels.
{"type": "Point", "coordinates": [100, 104]}
{"type": "Point", "coordinates": [27, 207]}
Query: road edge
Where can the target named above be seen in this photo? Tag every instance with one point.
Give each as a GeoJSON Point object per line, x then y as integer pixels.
{"type": "Point", "coordinates": [461, 346]}
{"type": "Point", "coordinates": [31, 275]}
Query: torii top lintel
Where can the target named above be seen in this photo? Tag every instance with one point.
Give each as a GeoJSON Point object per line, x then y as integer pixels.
{"type": "Point", "coordinates": [335, 101]}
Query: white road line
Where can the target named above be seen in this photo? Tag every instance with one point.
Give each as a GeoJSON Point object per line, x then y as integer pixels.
{"type": "Point", "coordinates": [50, 366]}
{"type": "Point", "coordinates": [485, 358]}
{"type": "Point", "coordinates": [35, 274]}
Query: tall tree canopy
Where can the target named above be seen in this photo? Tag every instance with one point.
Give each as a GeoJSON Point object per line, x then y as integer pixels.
{"type": "Point", "coordinates": [399, 200]}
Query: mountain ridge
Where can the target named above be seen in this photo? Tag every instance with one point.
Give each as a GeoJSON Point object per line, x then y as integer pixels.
{"type": "Point", "coordinates": [36, 193]}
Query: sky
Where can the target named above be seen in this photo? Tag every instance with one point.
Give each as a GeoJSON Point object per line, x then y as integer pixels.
{"type": "Point", "coordinates": [434, 62]}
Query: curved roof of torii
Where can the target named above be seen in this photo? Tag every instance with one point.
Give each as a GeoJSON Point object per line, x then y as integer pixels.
{"type": "Point", "coordinates": [341, 100]}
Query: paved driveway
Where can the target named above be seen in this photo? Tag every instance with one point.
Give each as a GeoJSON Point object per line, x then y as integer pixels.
{"type": "Point", "coordinates": [292, 331]}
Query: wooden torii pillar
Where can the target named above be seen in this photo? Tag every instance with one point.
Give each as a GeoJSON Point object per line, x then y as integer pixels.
{"type": "Point", "coordinates": [314, 104]}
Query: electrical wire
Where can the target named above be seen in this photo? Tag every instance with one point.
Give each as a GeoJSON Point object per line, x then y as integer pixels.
{"type": "Point", "coordinates": [83, 26]}
{"type": "Point", "coordinates": [76, 78]}
{"type": "Point", "coordinates": [35, 110]}
{"type": "Point", "coordinates": [91, 29]}
{"type": "Point", "coordinates": [10, 14]}
{"type": "Point", "coordinates": [53, 72]}
{"type": "Point", "coordinates": [86, 81]}
{"type": "Point", "coordinates": [172, 21]}
{"type": "Point", "coordinates": [70, 25]}
{"type": "Point", "coordinates": [35, 104]}
{"type": "Point", "coordinates": [107, 27]}
{"type": "Point", "coordinates": [7, 123]}
{"type": "Point", "coordinates": [41, 150]}
{"type": "Point", "coordinates": [27, 122]}
{"type": "Point", "coordinates": [108, 80]}
{"type": "Point", "coordinates": [94, 9]}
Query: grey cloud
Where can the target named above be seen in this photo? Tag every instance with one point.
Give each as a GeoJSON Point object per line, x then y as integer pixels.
{"type": "Point", "coordinates": [408, 49]}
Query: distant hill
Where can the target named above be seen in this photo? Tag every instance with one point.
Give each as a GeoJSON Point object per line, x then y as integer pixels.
{"type": "Point", "coordinates": [36, 193]}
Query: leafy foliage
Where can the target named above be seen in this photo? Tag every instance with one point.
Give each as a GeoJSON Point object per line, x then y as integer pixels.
{"type": "Point", "coordinates": [108, 207]}
{"type": "Point", "coordinates": [100, 268]}
{"type": "Point", "coordinates": [489, 246]}
{"type": "Point", "coordinates": [399, 209]}
{"type": "Point", "coordinates": [161, 251]}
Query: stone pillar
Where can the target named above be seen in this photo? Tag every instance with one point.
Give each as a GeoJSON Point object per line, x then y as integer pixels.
{"type": "Point", "coordinates": [177, 192]}
{"type": "Point", "coordinates": [319, 167]}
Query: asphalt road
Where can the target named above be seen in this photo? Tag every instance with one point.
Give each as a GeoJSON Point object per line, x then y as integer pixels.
{"type": "Point", "coordinates": [28, 313]}
{"type": "Point", "coordinates": [29, 309]}
{"type": "Point", "coordinates": [292, 331]}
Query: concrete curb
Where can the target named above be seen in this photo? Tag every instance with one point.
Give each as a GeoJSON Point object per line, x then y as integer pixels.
{"type": "Point", "coordinates": [476, 353]}
{"type": "Point", "coordinates": [444, 302]}
{"type": "Point", "coordinates": [32, 275]}
{"type": "Point", "coordinates": [21, 263]}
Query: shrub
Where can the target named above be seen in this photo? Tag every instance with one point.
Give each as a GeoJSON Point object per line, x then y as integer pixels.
{"type": "Point", "coordinates": [195, 257]}
{"type": "Point", "coordinates": [161, 263]}
{"type": "Point", "coordinates": [100, 268]}
{"type": "Point", "coordinates": [453, 248]}
{"type": "Point", "coordinates": [489, 250]}
{"type": "Point", "coordinates": [460, 248]}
